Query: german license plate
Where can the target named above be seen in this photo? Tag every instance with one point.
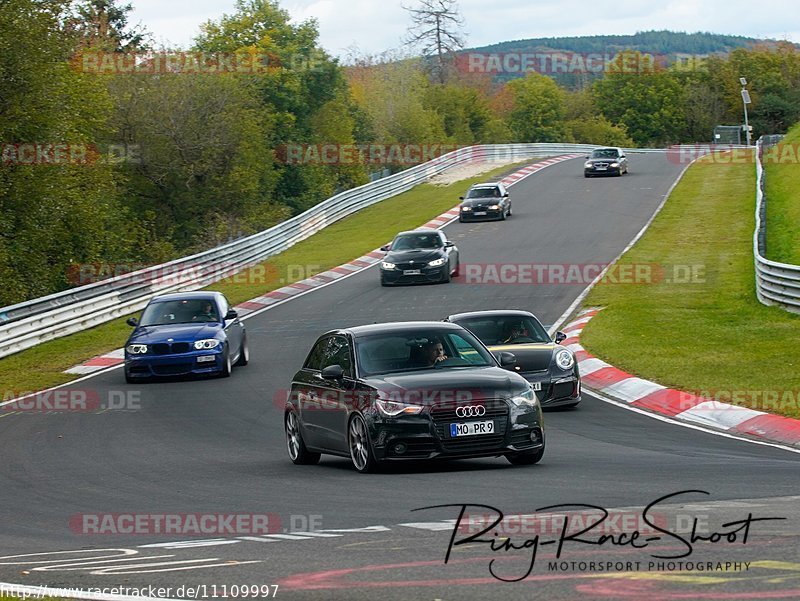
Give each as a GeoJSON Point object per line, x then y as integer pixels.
{"type": "Point", "coordinates": [471, 428]}
{"type": "Point", "coordinates": [480, 213]}
{"type": "Point", "coordinates": [600, 168]}
{"type": "Point", "coordinates": [205, 358]}
{"type": "Point", "coordinates": [411, 272]}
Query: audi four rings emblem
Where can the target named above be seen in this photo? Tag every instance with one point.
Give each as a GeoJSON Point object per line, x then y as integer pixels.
{"type": "Point", "coordinates": [471, 411]}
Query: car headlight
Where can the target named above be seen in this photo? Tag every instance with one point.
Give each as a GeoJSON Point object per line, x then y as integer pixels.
{"type": "Point", "coordinates": [494, 207]}
{"type": "Point", "coordinates": [526, 398]}
{"type": "Point", "coordinates": [206, 344]}
{"type": "Point", "coordinates": [565, 359]}
{"type": "Point", "coordinates": [615, 164]}
{"type": "Point", "coordinates": [437, 262]}
{"type": "Point", "coordinates": [466, 208]}
{"type": "Point", "coordinates": [137, 349]}
{"type": "Point", "coordinates": [387, 265]}
{"type": "Point", "coordinates": [587, 164]}
{"type": "Point", "coordinates": [393, 408]}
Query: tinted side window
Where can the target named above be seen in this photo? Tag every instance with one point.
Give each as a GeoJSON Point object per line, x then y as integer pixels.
{"type": "Point", "coordinates": [314, 360]}
{"type": "Point", "coordinates": [337, 352]}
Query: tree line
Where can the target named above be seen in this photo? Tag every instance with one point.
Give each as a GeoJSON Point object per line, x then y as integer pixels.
{"type": "Point", "coordinates": [174, 160]}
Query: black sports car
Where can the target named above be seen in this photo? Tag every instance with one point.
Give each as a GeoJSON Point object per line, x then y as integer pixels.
{"type": "Point", "coordinates": [605, 161]}
{"type": "Point", "coordinates": [485, 201]}
{"type": "Point", "coordinates": [419, 256]}
{"type": "Point", "coordinates": [549, 367]}
{"type": "Point", "coordinates": [413, 390]}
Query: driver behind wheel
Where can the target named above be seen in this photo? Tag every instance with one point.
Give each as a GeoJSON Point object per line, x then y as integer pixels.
{"type": "Point", "coordinates": [206, 313]}
{"type": "Point", "coordinates": [513, 331]}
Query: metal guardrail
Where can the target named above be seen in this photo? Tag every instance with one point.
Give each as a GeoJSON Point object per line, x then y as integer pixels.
{"type": "Point", "coordinates": [30, 323]}
{"type": "Point", "coordinates": [776, 283]}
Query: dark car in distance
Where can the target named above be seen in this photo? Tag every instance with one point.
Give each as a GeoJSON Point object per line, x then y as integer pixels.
{"type": "Point", "coordinates": [185, 333]}
{"type": "Point", "coordinates": [550, 368]}
{"type": "Point", "coordinates": [419, 256]}
{"type": "Point", "coordinates": [485, 201]}
{"type": "Point", "coordinates": [410, 390]}
{"type": "Point", "coordinates": [605, 161]}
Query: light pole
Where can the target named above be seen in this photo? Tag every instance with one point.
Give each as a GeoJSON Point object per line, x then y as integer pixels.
{"type": "Point", "coordinates": [745, 102]}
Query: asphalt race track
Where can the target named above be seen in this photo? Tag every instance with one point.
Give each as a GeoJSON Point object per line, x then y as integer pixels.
{"type": "Point", "coordinates": [217, 447]}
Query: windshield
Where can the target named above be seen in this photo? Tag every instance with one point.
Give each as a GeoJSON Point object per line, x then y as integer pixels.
{"type": "Point", "coordinates": [483, 193]}
{"type": "Point", "coordinates": [412, 241]}
{"type": "Point", "coordinates": [416, 350]}
{"type": "Point", "coordinates": [506, 329]}
{"type": "Point", "coordinates": [605, 153]}
{"type": "Point", "coordinates": [179, 311]}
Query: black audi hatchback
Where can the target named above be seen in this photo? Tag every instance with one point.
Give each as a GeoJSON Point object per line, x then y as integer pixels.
{"type": "Point", "coordinates": [410, 390]}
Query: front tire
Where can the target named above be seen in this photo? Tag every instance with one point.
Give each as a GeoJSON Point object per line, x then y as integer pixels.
{"type": "Point", "coordinates": [298, 452]}
{"type": "Point", "coordinates": [225, 372]}
{"type": "Point", "coordinates": [360, 447]}
{"type": "Point", "coordinates": [244, 352]}
{"type": "Point", "coordinates": [526, 458]}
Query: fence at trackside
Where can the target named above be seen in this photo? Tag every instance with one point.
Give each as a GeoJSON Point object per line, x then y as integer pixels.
{"type": "Point", "coordinates": [776, 283]}
{"type": "Point", "coordinates": [30, 323]}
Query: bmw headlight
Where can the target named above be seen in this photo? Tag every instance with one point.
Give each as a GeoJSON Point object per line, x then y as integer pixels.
{"type": "Point", "coordinates": [587, 164]}
{"type": "Point", "coordinates": [466, 208]}
{"type": "Point", "coordinates": [387, 265]}
{"type": "Point", "coordinates": [137, 349]}
{"type": "Point", "coordinates": [615, 164]}
{"type": "Point", "coordinates": [393, 408]}
{"type": "Point", "coordinates": [494, 207]}
{"type": "Point", "coordinates": [526, 398]}
{"type": "Point", "coordinates": [565, 359]}
{"type": "Point", "coordinates": [209, 343]}
{"type": "Point", "coordinates": [437, 262]}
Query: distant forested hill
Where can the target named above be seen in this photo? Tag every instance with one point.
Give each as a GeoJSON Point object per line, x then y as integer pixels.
{"type": "Point", "coordinates": [656, 42]}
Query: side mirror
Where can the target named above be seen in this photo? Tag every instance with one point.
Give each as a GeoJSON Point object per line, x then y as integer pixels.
{"type": "Point", "coordinates": [560, 337]}
{"type": "Point", "coordinates": [506, 359]}
{"type": "Point", "coordinates": [505, 195]}
{"type": "Point", "coordinates": [384, 248]}
{"type": "Point", "coordinates": [132, 321]}
{"type": "Point", "coordinates": [460, 198]}
{"type": "Point", "coordinates": [231, 314]}
{"type": "Point", "coordinates": [449, 244]}
{"type": "Point", "coordinates": [332, 372]}
{"type": "Point", "coordinates": [586, 157]}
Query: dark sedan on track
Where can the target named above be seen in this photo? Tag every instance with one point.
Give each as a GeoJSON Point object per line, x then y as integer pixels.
{"type": "Point", "coordinates": [605, 161]}
{"type": "Point", "coordinates": [413, 390]}
{"type": "Point", "coordinates": [485, 201]}
{"type": "Point", "coordinates": [185, 333]}
{"type": "Point", "coordinates": [418, 257]}
{"type": "Point", "coordinates": [550, 368]}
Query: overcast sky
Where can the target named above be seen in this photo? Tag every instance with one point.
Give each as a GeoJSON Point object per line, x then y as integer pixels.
{"type": "Point", "coordinates": [374, 25]}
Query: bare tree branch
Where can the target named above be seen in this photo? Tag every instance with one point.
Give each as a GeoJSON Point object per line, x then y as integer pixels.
{"type": "Point", "coordinates": [436, 30]}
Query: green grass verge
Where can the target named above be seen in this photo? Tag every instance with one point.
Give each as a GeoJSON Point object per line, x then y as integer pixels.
{"type": "Point", "coordinates": [782, 164]}
{"type": "Point", "coordinates": [43, 366]}
{"type": "Point", "coordinates": [711, 336]}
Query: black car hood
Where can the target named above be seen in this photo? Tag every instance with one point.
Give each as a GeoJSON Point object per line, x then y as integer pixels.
{"type": "Point", "coordinates": [421, 255]}
{"type": "Point", "coordinates": [530, 357]}
{"type": "Point", "coordinates": [481, 202]}
{"type": "Point", "coordinates": [610, 160]}
{"type": "Point", "coordinates": [428, 386]}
